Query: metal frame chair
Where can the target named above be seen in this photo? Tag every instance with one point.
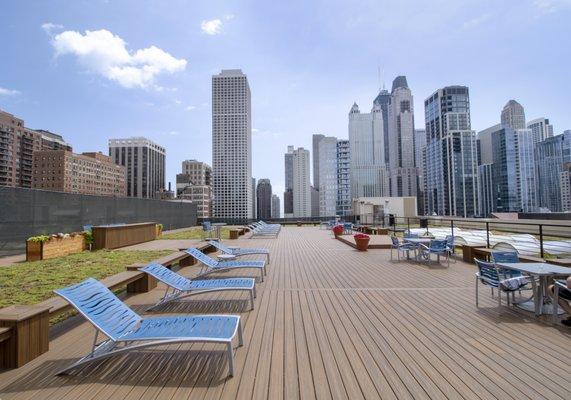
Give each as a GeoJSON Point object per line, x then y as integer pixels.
{"type": "Point", "coordinates": [241, 251]}
{"type": "Point", "coordinates": [180, 286]}
{"type": "Point", "coordinates": [210, 265]}
{"type": "Point", "coordinates": [402, 247]}
{"type": "Point", "coordinates": [436, 246]}
{"type": "Point", "coordinates": [490, 275]}
{"type": "Point", "coordinates": [127, 331]}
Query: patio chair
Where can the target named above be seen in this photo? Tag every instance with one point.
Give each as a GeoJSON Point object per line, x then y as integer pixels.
{"type": "Point", "coordinates": [506, 257]}
{"type": "Point", "coordinates": [180, 287]}
{"type": "Point", "coordinates": [210, 265]}
{"type": "Point", "coordinates": [241, 251]}
{"type": "Point", "coordinates": [263, 231]}
{"type": "Point", "coordinates": [490, 275]}
{"type": "Point", "coordinates": [127, 331]}
{"type": "Point", "coordinates": [402, 248]}
{"type": "Point", "coordinates": [438, 247]}
{"type": "Point", "coordinates": [207, 229]}
{"type": "Point", "coordinates": [450, 245]}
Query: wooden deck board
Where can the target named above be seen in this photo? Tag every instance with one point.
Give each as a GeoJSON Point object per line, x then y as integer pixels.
{"type": "Point", "coordinates": [329, 322]}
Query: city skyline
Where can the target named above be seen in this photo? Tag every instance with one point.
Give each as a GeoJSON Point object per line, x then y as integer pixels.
{"type": "Point", "coordinates": [62, 94]}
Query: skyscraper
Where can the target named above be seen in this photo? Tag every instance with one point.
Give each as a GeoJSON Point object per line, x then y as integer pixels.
{"type": "Point", "coordinates": [315, 148]}
{"type": "Point", "coordinates": [145, 163]}
{"type": "Point", "coordinates": [566, 187]}
{"type": "Point", "coordinates": [344, 200]}
{"type": "Point", "coordinates": [264, 199]}
{"type": "Point", "coordinates": [550, 157]}
{"type": "Point", "coordinates": [327, 167]}
{"type": "Point", "coordinates": [451, 154]}
{"type": "Point", "coordinates": [301, 183]}
{"type": "Point", "coordinates": [288, 193]}
{"type": "Point", "coordinates": [275, 206]}
{"type": "Point", "coordinates": [369, 177]}
{"type": "Point", "coordinates": [402, 166]}
{"type": "Point", "coordinates": [541, 129]}
{"type": "Point", "coordinates": [232, 145]}
{"type": "Point", "coordinates": [383, 101]}
{"type": "Point", "coordinates": [419, 150]}
{"type": "Point", "coordinates": [199, 172]}
{"type": "Point", "coordinates": [254, 200]}
{"type": "Point", "coordinates": [513, 115]}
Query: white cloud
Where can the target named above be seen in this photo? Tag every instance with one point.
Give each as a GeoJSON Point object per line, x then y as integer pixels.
{"type": "Point", "coordinates": [8, 92]}
{"type": "Point", "coordinates": [549, 6]}
{"type": "Point", "coordinates": [172, 133]}
{"type": "Point", "coordinates": [106, 54]}
{"type": "Point", "coordinates": [211, 27]}
{"type": "Point", "coordinates": [477, 21]}
{"type": "Point", "coordinates": [190, 108]}
{"type": "Point", "coordinates": [49, 27]}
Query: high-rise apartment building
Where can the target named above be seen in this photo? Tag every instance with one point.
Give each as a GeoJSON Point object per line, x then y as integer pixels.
{"type": "Point", "coordinates": [275, 206]}
{"type": "Point", "coordinates": [551, 155]}
{"type": "Point", "coordinates": [254, 200]}
{"type": "Point", "coordinates": [195, 184]}
{"type": "Point", "coordinates": [327, 167]}
{"type": "Point", "coordinates": [485, 143]}
{"type": "Point", "coordinates": [145, 164]}
{"type": "Point", "coordinates": [301, 183]}
{"type": "Point", "coordinates": [486, 189]}
{"type": "Point", "coordinates": [53, 141]}
{"type": "Point", "coordinates": [315, 148]}
{"type": "Point", "coordinates": [402, 167]}
{"type": "Point", "coordinates": [264, 199]}
{"type": "Point", "coordinates": [344, 201]}
{"type": "Point", "coordinates": [513, 115]}
{"type": "Point", "coordinates": [566, 187]}
{"type": "Point", "coordinates": [288, 193]}
{"type": "Point", "coordinates": [541, 129]}
{"type": "Point", "coordinates": [369, 176]}
{"type": "Point", "coordinates": [87, 173]}
{"type": "Point", "coordinates": [451, 179]}
{"type": "Point", "coordinates": [232, 145]}
{"type": "Point", "coordinates": [199, 172]}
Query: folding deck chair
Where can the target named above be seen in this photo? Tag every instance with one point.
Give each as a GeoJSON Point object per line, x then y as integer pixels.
{"type": "Point", "coordinates": [180, 287]}
{"type": "Point", "coordinates": [127, 331]}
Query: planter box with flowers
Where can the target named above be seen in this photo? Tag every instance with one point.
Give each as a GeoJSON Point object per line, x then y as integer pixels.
{"type": "Point", "coordinates": [337, 230]}
{"type": "Point", "coordinates": [45, 247]}
{"type": "Point", "coordinates": [362, 241]}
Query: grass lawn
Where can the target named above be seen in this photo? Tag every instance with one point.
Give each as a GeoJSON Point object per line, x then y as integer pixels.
{"type": "Point", "coordinates": [33, 282]}
{"type": "Point", "coordinates": [192, 233]}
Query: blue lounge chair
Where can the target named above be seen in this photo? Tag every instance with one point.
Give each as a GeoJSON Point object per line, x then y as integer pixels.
{"type": "Point", "coordinates": [126, 330]}
{"type": "Point", "coordinates": [184, 287]}
{"type": "Point", "coordinates": [210, 265]}
{"type": "Point", "coordinates": [237, 251]}
{"type": "Point", "coordinates": [261, 230]}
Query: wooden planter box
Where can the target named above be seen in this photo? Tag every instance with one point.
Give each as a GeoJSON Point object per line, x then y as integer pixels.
{"type": "Point", "coordinates": [55, 247]}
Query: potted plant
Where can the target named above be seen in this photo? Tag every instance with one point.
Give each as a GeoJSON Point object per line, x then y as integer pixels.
{"type": "Point", "coordinates": [159, 229]}
{"type": "Point", "coordinates": [337, 230]}
{"type": "Point", "coordinates": [362, 241]}
{"type": "Point", "coordinates": [298, 223]}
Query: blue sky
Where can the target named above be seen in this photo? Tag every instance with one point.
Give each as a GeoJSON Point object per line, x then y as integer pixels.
{"type": "Point", "coordinates": [145, 67]}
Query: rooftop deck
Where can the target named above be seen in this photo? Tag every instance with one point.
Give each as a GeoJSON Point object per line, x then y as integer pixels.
{"type": "Point", "coordinates": [329, 322]}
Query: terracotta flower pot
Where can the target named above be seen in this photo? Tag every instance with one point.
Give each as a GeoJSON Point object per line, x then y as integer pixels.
{"type": "Point", "coordinates": [362, 243]}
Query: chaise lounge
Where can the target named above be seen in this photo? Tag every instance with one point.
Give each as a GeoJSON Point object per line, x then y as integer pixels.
{"type": "Point", "coordinates": [210, 265]}
{"type": "Point", "coordinates": [180, 287]}
{"type": "Point", "coordinates": [126, 330]}
{"type": "Point", "coordinates": [238, 252]}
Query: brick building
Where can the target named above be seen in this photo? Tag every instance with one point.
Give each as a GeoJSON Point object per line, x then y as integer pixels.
{"type": "Point", "coordinates": [86, 173]}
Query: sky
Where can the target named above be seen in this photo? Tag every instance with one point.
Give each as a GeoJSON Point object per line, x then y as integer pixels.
{"type": "Point", "coordinates": [95, 70]}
